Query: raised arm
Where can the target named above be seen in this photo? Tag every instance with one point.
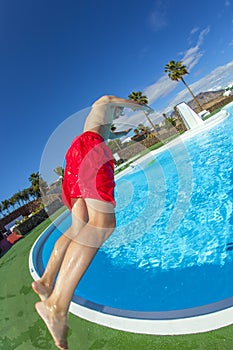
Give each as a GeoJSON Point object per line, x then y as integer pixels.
{"type": "Point", "coordinates": [122, 102]}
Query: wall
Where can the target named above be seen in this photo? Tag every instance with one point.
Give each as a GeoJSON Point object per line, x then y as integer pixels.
{"type": "Point", "coordinates": [25, 210]}
{"type": "Point", "coordinates": [37, 218]}
{"type": "Point", "coordinates": [53, 204]}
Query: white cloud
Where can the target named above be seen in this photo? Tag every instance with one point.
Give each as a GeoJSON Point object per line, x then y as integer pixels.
{"type": "Point", "coordinates": [163, 86]}
{"type": "Point", "coordinates": [192, 34]}
{"type": "Point", "coordinates": [193, 55]}
{"type": "Point", "coordinates": [216, 80]}
{"type": "Point", "coordinates": [157, 21]}
{"type": "Point", "coordinates": [158, 17]}
{"type": "Point", "coordinates": [160, 88]}
{"type": "Point", "coordinates": [194, 30]}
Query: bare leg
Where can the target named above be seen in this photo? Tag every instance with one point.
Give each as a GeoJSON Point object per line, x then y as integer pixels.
{"type": "Point", "coordinates": [78, 256]}
{"type": "Point", "coordinates": [44, 286]}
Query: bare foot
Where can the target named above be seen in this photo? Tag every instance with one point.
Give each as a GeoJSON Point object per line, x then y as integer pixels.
{"type": "Point", "coordinates": [42, 290]}
{"type": "Point", "coordinates": [56, 325]}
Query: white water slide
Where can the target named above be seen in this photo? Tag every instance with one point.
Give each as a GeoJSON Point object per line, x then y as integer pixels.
{"type": "Point", "coordinates": [190, 118]}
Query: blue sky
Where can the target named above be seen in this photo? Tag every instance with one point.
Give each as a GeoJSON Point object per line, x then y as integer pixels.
{"type": "Point", "coordinates": [58, 57]}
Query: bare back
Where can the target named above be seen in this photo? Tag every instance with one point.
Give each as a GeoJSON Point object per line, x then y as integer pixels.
{"type": "Point", "coordinates": [100, 117]}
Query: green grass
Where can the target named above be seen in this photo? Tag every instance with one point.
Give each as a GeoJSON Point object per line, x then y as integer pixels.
{"type": "Point", "coordinates": [213, 113]}
{"type": "Point", "coordinates": [22, 329]}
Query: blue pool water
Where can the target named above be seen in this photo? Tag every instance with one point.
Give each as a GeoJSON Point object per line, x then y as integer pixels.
{"type": "Point", "coordinates": [172, 247]}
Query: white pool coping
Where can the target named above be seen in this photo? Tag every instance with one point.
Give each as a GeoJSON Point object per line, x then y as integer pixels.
{"type": "Point", "coordinates": [186, 325]}
{"type": "Point", "coordinates": [172, 326]}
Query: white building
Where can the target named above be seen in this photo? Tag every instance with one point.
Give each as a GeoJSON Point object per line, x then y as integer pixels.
{"type": "Point", "coordinates": [228, 90]}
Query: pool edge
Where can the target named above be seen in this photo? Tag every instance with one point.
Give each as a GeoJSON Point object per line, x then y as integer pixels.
{"type": "Point", "coordinates": [166, 324]}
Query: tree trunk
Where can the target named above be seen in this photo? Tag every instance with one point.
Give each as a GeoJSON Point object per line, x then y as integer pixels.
{"type": "Point", "coordinates": [195, 99]}
{"type": "Point", "coordinates": [150, 121]}
{"type": "Point", "coordinates": [153, 126]}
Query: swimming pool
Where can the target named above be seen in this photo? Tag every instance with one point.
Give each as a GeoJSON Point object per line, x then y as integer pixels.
{"type": "Point", "coordinates": [171, 255]}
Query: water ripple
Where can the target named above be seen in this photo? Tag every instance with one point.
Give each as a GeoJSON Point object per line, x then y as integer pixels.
{"type": "Point", "coordinates": [203, 202]}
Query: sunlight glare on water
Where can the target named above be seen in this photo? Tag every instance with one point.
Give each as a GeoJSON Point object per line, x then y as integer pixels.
{"type": "Point", "coordinates": [204, 199]}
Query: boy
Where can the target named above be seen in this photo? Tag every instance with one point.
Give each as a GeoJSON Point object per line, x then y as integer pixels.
{"type": "Point", "coordinates": [88, 191]}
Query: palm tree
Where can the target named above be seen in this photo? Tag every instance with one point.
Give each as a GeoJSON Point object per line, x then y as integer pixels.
{"type": "Point", "coordinates": [43, 187]}
{"type": "Point", "coordinates": [26, 195]}
{"type": "Point", "coordinates": [6, 205]}
{"type": "Point", "coordinates": [22, 197]}
{"type": "Point", "coordinates": [143, 100]}
{"type": "Point", "coordinates": [137, 96]}
{"type": "Point", "coordinates": [13, 201]}
{"type": "Point", "coordinates": [34, 178]}
{"type": "Point", "coordinates": [39, 186]}
{"type": "Point", "coordinates": [18, 198]}
{"type": "Point", "coordinates": [170, 121]}
{"type": "Point", "coordinates": [32, 192]}
{"type": "Point", "coordinates": [1, 209]}
{"type": "Point", "coordinates": [175, 71]}
{"type": "Point", "coordinates": [59, 171]}
{"type": "Point", "coordinates": [142, 127]}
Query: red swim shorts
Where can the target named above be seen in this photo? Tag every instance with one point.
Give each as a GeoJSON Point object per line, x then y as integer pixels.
{"type": "Point", "coordinates": [89, 171]}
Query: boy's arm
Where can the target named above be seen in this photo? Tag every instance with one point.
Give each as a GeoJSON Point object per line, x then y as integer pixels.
{"type": "Point", "coordinates": [121, 102]}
